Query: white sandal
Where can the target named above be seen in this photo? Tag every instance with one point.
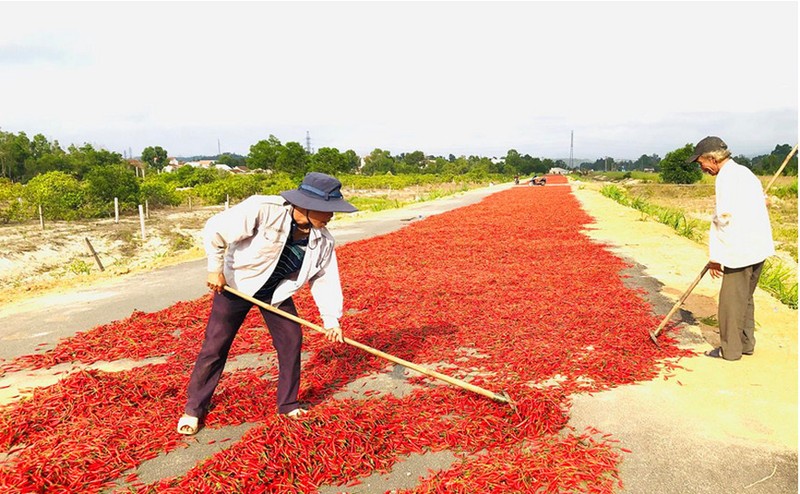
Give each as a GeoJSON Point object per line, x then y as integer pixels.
{"type": "Point", "coordinates": [297, 413]}
{"type": "Point", "coordinates": [188, 425]}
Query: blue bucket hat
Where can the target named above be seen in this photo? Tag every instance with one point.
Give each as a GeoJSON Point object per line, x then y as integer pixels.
{"type": "Point", "coordinates": [319, 192]}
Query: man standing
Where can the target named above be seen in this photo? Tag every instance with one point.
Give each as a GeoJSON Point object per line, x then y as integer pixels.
{"type": "Point", "coordinates": [740, 239]}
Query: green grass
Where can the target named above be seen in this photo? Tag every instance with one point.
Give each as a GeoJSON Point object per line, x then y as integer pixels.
{"type": "Point", "coordinates": [674, 218]}
{"type": "Point", "coordinates": [784, 191]}
{"type": "Point", "coordinates": [376, 203]}
{"type": "Point", "coordinates": [645, 177]}
{"type": "Point", "coordinates": [776, 278]}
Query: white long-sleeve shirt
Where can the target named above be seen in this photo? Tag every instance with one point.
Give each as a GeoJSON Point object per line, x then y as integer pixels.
{"type": "Point", "coordinates": [245, 243]}
{"type": "Point", "coordinates": [740, 233]}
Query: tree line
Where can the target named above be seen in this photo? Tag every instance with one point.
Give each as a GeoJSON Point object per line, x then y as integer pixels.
{"type": "Point", "coordinates": [82, 182]}
{"type": "Point", "coordinates": [765, 164]}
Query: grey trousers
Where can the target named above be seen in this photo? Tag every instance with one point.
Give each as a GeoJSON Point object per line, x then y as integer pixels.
{"type": "Point", "coordinates": [736, 310]}
{"type": "Point", "coordinates": [228, 312]}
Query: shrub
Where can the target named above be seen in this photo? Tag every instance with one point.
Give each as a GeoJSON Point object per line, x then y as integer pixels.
{"type": "Point", "coordinates": [675, 170]}
{"type": "Point", "coordinates": [159, 193]}
{"type": "Point", "coordinates": [104, 183]}
{"type": "Point", "coordinates": [12, 206]}
{"type": "Point", "coordinates": [60, 195]}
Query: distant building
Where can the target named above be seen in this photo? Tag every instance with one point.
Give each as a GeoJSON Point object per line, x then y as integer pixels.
{"type": "Point", "coordinates": [558, 171]}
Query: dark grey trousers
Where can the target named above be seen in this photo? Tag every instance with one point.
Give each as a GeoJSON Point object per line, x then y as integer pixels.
{"type": "Point", "coordinates": [228, 312]}
{"type": "Point", "coordinates": [736, 310]}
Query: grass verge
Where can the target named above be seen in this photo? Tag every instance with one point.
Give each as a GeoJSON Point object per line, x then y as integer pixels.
{"type": "Point", "coordinates": [776, 278]}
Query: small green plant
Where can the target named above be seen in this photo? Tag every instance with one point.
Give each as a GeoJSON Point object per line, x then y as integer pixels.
{"type": "Point", "coordinates": [785, 191]}
{"type": "Point", "coordinates": [776, 279]}
{"type": "Point", "coordinates": [79, 266]}
{"type": "Point", "coordinates": [615, 193]}
{"type": "Point", "coordinates": [710, 321]}
{"type": "Point", "coordinates": [178, 242]}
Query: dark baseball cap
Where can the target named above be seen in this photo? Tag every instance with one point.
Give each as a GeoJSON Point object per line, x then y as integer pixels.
{"type": "Point", "coordinates": [707, 145]}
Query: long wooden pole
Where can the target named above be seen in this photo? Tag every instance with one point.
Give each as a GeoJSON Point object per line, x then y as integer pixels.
{"type": "Point", "coordinates": [504, 398]}
{"type": "Point", "coordinates": [777, 174]}
{"type": "Point", "coordinates": [94, 253]}
{"type": "Point", "coordinates": [675, 307]}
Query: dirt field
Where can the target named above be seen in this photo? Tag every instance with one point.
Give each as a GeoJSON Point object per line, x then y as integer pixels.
{"type": "Point", "coordinates": [35, 260]}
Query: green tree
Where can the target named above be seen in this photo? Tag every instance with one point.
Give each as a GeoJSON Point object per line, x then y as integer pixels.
{"type": "Point", "coordinates": [378, 162]}
{"type": "Point", "coordinates": [15, 150]}
{"type": "Point", "coordinates": [292, 160]}
{"type": "Point", "coordinates": [514, 160]}
{"type": "Point", "coordinates": [327, 160]}
{"type": "Point", "coordinates": [264, 154]}
{"type": "Point", "coordinates": [744, 161]}
{"type": "Point", "coordinates": [85, 158]}
{"type": "Point", "coordinates": [352, 162]}
{"type": "Point", "coordinates": [155, 157]}
{"type": "Point", "coordinates": [104, 183]}
{"type": "Point", "coordinates": [645, 161]}
{"type": "Point", "coordinates": [60, 195]}
{"type": "Point", "coordinates": [232, 160]}
{"type": "Point", "coordinates": [768, 164]}
{"type": "Point", "coordinates": [412, 162]}
{"type": "Point", "coordinates": [675, 169]}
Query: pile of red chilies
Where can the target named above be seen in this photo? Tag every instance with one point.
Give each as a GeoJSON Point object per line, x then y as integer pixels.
{"type": "Point", "coordinates": [509, 291]}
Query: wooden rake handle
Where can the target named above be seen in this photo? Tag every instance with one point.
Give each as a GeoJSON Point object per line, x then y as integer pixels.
{"type": "Point", "coordinates": [777, 174]}
{"type": "Point", "coordinates": [503, 398]}
{"type": "Point", "coordinates": [675, 307]}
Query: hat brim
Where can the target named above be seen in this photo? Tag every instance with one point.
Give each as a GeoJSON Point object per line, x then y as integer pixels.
{"type": "Point", "coordinates": [312, 203]}
{"type": "Point", "coordinates": [694, 157]}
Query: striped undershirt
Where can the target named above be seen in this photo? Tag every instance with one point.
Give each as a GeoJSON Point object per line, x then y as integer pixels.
{"type": "Point", "coordinates": [289, 263]}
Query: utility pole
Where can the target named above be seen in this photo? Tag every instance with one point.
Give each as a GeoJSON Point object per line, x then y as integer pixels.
{"type": "Point", "coordinates": [571, 142]}
{"type": "Point", "coordinates": [308, 143]}
{"type": "Point", "coordinates": [219, 152]}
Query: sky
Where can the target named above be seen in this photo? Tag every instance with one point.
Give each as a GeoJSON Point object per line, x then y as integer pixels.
{"type": "Point", "coordinates": [462, 78]}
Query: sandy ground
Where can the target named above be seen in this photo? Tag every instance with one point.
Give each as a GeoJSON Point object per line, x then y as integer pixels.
{"type": "Point", "coordinates": [713, 427]}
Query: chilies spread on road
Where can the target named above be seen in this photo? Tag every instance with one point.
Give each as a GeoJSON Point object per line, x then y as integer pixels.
{"type": "Point", "coordinates": [538, 310]}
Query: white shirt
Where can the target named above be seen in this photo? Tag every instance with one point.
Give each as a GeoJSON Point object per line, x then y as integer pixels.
{"type": "Point", "coordinates": [245, 243]}
{"type": "Point", "coordinates": [740, 233]}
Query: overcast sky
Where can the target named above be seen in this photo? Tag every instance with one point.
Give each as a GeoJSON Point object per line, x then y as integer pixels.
{"type": "Point", "coordinates": [467, 78]}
